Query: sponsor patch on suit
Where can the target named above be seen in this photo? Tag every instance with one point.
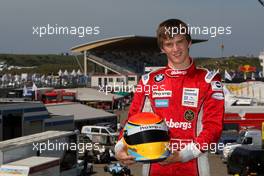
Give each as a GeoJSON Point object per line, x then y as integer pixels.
{"type": "Point", "coordinates": [190, 97]}
{"type": "Point", "coordinates": [161, 103]}
{"type": "Point", "coordinates": [159, 78]}
{"type": "Point", "coordinates": [216, 85]}
{"type": "Point", "coordinates": [189, 115]}
{"type": "Point", "coordinates": [164, 93]}
{"type": "Point", "coordinates": [218, 96]}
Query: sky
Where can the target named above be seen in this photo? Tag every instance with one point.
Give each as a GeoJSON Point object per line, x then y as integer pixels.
{"type": "Point", "coordinates": [20, 22]}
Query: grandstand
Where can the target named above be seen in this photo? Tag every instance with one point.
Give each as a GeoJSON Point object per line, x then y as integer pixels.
{"type": "Point", "coordinates": [124, 55]}
{"type": "Point", "coordinates": [129, 52]}
{"type": "Point", "coordinates": [109, 65]}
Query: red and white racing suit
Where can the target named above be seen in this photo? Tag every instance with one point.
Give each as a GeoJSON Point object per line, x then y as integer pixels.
{"type": "Point", "coordinates": [192, 103]}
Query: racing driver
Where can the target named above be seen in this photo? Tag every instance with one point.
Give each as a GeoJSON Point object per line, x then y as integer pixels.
{"type": "Point", "coordinates": [190, 100]}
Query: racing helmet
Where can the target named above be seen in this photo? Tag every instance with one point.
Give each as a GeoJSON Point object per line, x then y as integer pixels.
{"type": "Point", "coordinates": [146, 137]}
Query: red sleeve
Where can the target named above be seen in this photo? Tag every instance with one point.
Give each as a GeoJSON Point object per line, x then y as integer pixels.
{"type": "Point", "coordinates": [212, 115]}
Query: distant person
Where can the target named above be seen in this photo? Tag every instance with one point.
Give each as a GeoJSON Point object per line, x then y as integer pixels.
{"type": "Point", "coordinates": [190, 100]}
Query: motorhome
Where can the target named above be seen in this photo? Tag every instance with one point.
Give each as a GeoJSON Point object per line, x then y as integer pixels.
{"type": "Point", "coordinates": [46, 144]}
{"type": "Point", "coordinates": [32, 166]}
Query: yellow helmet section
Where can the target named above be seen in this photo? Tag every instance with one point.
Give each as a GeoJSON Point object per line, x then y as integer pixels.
{"type": "Point", "coordinates": [154, 151]}
{"type": "Point", "coordinates": [146, 137]}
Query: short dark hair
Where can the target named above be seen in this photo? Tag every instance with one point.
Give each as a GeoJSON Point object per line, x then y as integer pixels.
{"type": "Point", "coordinates": [166, 30]}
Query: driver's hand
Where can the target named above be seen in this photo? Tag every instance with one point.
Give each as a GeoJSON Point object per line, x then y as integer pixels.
{"type": "Point", "coordinates": [123, 157]}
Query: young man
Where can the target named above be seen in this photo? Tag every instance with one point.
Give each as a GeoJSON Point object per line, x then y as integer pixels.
{"type": "Point", "coordinates": [190, 100]}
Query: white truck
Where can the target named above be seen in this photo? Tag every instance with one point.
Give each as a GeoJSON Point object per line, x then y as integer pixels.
{"type": "Point", "coordinates": [247, 137]}
{"type": "Point", "coordinates": [47, 144]}
{"type": "Point", "coordinates": [100, 134]}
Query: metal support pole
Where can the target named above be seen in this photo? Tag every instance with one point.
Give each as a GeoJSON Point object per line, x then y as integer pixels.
{"type": "Point", "coordinates": [85, 62]}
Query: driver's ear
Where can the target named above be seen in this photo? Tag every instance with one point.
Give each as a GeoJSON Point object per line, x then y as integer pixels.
{"type": "Point", "coordinates": [189, 44]}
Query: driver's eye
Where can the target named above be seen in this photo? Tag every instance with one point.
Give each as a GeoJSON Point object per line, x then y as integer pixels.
{"type": "Point", "coordinates": [168, 44]}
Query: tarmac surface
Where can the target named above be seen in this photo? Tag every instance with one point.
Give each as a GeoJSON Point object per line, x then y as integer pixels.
{"type": "Point", "coordinates": [217, 168]}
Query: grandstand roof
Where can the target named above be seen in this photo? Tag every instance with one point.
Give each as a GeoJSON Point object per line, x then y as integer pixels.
{"type": "Point", "coordinates": [123, 43]}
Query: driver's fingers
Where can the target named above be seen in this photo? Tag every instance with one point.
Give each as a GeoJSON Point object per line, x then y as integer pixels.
{"type": "Point", "coordinates": [127, 162]}
{"type": "Point", "coordinates": [125, 157]}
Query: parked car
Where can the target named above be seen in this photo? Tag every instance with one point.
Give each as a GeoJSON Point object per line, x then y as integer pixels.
{"type": "Point", "coordinates": [98, 130]}
{"type": "Point", "coordinates": [100, 134]}
{"type": "Point", "coordinates": [107, 124]}
{"type": "Point", "coordinates": [246, 160]}
{"type": "Point", "coordinates": [246, 137]}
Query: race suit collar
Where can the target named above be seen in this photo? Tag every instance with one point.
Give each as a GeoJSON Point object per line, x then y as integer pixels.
{"type": "Point", "coordinates": [180, 72]}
